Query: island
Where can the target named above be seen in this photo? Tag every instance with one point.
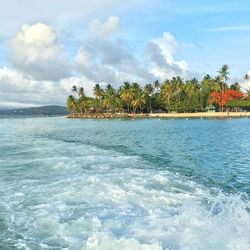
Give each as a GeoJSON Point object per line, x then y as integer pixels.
{"type": "Point", "coordinates": [173, 98]}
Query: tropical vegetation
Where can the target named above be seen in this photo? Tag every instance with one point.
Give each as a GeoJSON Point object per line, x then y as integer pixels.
{"type": "Point", "coordinates": [172, 95]}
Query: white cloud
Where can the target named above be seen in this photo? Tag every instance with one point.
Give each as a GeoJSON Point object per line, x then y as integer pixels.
{"type": "Point", "coordinates": [35, 51]}
{"type": "Point", "coordinates": [103, 59]}
{"type": "Point", "coordinates": [107, 60]}
{"type": "Point", "coordinates": [106, 29]}
{"type": "Point", "coordinates": [18, 90]}
{"type": "Point", "coordinates": [41, 75]}
{"type": "Point", "coordinates": [168, 46]}
{"type": "Point", "coordinates": [59, 13]}
{"type": "Point", "coordinates": [161, 52]}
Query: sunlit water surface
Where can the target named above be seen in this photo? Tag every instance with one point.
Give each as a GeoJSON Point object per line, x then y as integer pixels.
{"type": "Point", "coordinates": [124, 184]}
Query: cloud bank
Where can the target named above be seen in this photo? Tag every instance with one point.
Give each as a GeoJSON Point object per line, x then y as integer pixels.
{"type": "Point", "coordinates": [42, 73]}
{"type": "Point", "coordinates": [36, 52]}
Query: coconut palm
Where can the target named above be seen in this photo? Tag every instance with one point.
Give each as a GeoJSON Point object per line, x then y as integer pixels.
{"type": "Point", "coordinates": [98, 91]}
{"type": "Point", "coordinates": [191, 87]}
{"type": "Point", "coordinates": [224, 76]}
{"type": "Point", "coordinates": [81, 92]}
{"type": "Point", "coordinates": [135, 86]}
{"type": "Point", "coordinates": [235, 86]}
{"type": "Point", "coordinates": [247, 77]}
{"type": "Point", "coordinates": [109, 98]}
{"type": "Point", "coordinates": [224, 73]}
{"type": "Point", "coordinates": [207, 86]}
{"type": "Point", "coordinates": [157, 85]}
{"type": "Point", "coordinates": [166, 93]}
{"type": "Point", "coordinates": [126, 94]}
{"type": "Point", "coordinates": [148, 90]}
{"type": "Point", "coordinates": [74, 89]}
{"type": "Point", "coordinates": [138, 100]}
{"type": "Point", "coordinates": [82, 103]}
{"type": "Point", "coordinates": [99, 95]}
{"type": "Point", "coordinates": [71, 104]}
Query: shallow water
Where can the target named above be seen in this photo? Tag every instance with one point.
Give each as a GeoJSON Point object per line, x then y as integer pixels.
{"type": "Point", "coordinates": [123, 184]}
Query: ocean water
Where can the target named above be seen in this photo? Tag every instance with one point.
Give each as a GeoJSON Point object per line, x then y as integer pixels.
{"type": "Point", "coordinates": [124, 184]}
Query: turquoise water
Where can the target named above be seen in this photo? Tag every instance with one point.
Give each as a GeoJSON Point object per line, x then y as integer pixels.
{"type": "Point", "coordinates": [124, 184]}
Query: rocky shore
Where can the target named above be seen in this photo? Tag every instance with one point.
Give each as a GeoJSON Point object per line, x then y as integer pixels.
{"type": "Point", "coordinates": [100, 116]}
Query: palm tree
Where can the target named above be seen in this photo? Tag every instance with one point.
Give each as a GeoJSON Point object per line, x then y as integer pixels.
{"type": "Point", "coordinates": [247, 77]}
{"type": "Point", "coordinates": [208, 85]}
{"type": "Point", "coordinates": [109, 97]}
{"type": "Point", "coordinates": [99, 95]}
{"type": "Point", "coordinates": [224, 73]}
{"type": "Point", "coordinates": [81, 92]}
{"type": "Point", "coordinates": [191, 87]}
{"type": "Point", "coordinates": [138, 100]}
{"type": "Point", "coordinates": [224, 76]}
{"type": "Point", "coordinates": [135, 86]}
{"type": "Point", "coordinates": [71, 104]}
{"type": "Point", "coordinates": [191, 96]}
{"type": "Point", "coordinates": [98, 91]}
{"type": "Point", "coordinates": [148, 90]}
{"type": "Point", "coordinates": [235, 86]}
{"type": "Point", "coordinates": [82, 102]}
{"type": "Point", "coordinates": [177, 84]}
{"type": "Point", "coordinates": [118, 104]}
{"type": "Point", "coordinates": [167, 93]}
{"type": "Point", "coordinates": [157, 85]}
{"type": "Point", "coordinates": [126, 94]}
{"type": "Point", "coordinates": [74, 89]}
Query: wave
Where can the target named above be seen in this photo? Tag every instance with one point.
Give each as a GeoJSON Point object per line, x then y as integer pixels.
{"type": "Point", "coordinates": [87, 202]}
{"type": "Point", "coordinates": [72, 193]}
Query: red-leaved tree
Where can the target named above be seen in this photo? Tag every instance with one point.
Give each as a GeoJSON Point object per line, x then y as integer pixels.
{"type": "Point", "coordinates": [223, 98]}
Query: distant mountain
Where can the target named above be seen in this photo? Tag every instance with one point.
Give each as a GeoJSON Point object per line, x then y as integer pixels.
{"type": "Point", "coordinates": [36, 111]}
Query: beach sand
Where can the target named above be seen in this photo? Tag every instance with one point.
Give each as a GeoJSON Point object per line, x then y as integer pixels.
{"type": "Point", "coordinates": [201, 115]}
{"type": "Point", "coordinates": [163, 115]}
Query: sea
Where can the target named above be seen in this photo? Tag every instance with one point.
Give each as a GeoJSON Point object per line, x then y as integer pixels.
{"type": "Point", "coordinates": [127, 184]}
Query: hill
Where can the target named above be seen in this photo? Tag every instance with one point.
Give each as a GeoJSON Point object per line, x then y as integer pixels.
{"type": "Point", "coordinates": [51, 110]}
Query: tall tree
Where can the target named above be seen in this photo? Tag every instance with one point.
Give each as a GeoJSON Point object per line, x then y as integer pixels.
{"type": "Point", "coordinates": [148, 90]}
{"type": "Point", "coordinates": [224, 76]}
{"type": "Point", "coordinates": [71, 104]}
{"type": "Point", "coordinates": [74, 89]}
{"type": "Point", "coordinates": [126, 94]}
{"type": "Point", "coordinates": [98, 91]}
{"type": "Point", "coordinates": [235, 86]}
{"type": "Point", "coordinates": [81, 92]}
{"type": "Point", "coordinates": [246, 77]}
{"type": "Point", "coordinates": [109, 98]}
{"type": "Point", "coordinates": [157, 85]}
{"type": "Point", "coordinates": [139, 100]}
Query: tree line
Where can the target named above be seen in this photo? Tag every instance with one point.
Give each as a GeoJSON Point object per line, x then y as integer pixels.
{"type": "Point", "coordinates": [172, 95]}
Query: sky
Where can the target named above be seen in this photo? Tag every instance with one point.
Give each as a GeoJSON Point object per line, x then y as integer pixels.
{"type": "Point", "coordinates": [48, 46]}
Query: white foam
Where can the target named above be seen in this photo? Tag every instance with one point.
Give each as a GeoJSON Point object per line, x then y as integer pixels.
{"type": "Point", "coordinates": [91, 201]}
{"type": "Point", "coordinates": [100, 241]}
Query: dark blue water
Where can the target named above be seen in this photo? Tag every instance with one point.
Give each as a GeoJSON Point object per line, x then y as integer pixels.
{"type": "Point", "coordinates": [124, 184]}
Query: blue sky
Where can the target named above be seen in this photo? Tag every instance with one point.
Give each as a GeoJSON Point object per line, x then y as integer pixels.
{"type": "Point", "coordinates": [84, 42]}
{"type": "Point", "coordinates": [212, 32]}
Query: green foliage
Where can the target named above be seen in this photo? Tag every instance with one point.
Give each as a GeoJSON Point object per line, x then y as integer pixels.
{"type": "Point", "coordinates": [242, 104]}
{"type": "Point", "coordinates": [173, 95]}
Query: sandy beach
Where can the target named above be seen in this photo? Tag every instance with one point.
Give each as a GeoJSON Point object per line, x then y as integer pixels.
{"type": "Point", "coordinates": [221, 115]}
{"type": "Point", "coordinates": [201, 115]}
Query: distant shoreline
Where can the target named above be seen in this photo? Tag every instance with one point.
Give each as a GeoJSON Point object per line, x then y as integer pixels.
{"type": "Point", "coordinates": [221, 115]}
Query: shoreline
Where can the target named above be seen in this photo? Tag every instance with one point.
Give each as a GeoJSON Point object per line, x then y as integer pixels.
{"type": "Point", "coordinates": [221, 115]}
